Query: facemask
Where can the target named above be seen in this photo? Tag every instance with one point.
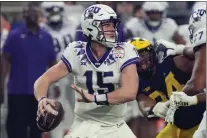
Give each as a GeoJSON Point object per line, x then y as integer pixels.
{"type": "Point", "coordinates": [55, 18]}
{"type": "Point", "coordinates": [153, 23]}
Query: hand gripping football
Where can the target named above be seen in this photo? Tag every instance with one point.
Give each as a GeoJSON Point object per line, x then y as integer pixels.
{"type": "Point", "coordinates": [49, 121]}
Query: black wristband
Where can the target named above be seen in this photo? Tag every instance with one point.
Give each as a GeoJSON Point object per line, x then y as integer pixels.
{"type": "Point", "coordinates": [42, 98]}
{"type": "Point", "coordinates": [101, 99]}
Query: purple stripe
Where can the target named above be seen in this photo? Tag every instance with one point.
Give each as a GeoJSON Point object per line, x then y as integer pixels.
{"type": "Point", "coordinates": [129, 62]}
{"type": "Point", "coordinates": [91, 57]}
{"type": "Point", "coordinates": [67, 63]}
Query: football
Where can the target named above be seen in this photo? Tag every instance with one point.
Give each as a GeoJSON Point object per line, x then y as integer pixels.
{"type": "Point", "coordinates": [49, 121]}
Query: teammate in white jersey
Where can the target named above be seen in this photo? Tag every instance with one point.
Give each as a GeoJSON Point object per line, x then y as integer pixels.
{"type": "Point", "coordinates": [155, 24]}
{"type": "Point", "coordinates": [63, 33]}
{"type": "Point", "coordinates": [194, 91]}
{"type": "Point", "coordinates": [105, 76]}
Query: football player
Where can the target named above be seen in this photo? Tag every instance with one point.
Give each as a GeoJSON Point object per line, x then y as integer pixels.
{"type": "Point", "coordinates": [194, 91]}
{"type": "Point", "coordinates": [63, 32]}
{"type": "Point", "coordinates": [158, 78]}
{"type": "Point", "coordinates": [155, 24]}
{"type": "Point", "coordinates": [105, 77]}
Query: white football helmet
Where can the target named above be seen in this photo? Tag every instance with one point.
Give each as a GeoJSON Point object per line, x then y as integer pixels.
{"type": "Point", "coordinates": [154, 7]}
{"type": "Point", "coordinates": [53, 11]}
{"type": "Point", "coordinates": [91, 23]}
{"type": "Point", "coordinates": [197, 21]}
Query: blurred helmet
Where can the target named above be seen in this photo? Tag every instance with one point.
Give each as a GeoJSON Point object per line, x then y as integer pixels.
{"type": "Point", "coordinates": [53, 11]}
{"type": "Point", "coordinates": [148, 57]}
{"type": "Point", "coordinates": [93, 20]}
{"type": "Point", "coordinates": [154, 12]}
{"type": "Point", "coordinates": [197, 21]}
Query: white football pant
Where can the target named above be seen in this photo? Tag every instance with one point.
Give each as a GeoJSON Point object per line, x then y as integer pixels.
{"type": "Point", "coordinates": [201, 131]}
{"type": "Point", "coordinates": [92, 129]}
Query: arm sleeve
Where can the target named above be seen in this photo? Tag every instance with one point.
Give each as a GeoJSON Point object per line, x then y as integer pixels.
{"type": "Point", "coordinates": [199, 38]}
{"type": "Point", "coordinates": [68, 57]}
{"type": "Point", "coordinates": [130, 56]}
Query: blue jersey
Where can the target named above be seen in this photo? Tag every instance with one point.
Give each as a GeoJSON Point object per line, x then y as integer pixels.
{"type": "Point", "coordinates": [169, 78]}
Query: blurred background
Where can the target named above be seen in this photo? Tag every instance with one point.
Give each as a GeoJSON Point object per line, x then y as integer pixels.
{"type": "Point", "coordinates": [11, 19]}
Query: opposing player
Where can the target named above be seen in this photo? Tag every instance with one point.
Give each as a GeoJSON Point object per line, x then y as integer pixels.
{"type": "Point", "coordinates": [63, 33]}
{"type": "Point", "coordinates": [105, 75]}
{"type": "Point", "coordinates": [158, 78]}
{"type": "Point", "coordinates": [155, 24]}
{"type": "Point", "coordinates": [197, 83]}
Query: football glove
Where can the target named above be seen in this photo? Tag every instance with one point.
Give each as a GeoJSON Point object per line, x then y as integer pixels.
{"type": "Point", "coordinates": [172, 49]}
{"type": "Point", "coordinates": [178, 99]}
{"type": "Point", "coordinates": [181, 99]}
{"type": "Point", "coordinates": [161, 108]}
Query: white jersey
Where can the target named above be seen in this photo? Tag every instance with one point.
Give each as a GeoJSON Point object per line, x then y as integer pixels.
{"type": "Point", "coordinates": [184, 33]}
{"type": "Point", "coordinates": [62, 37]}
{"type": "Point", "coordinates": [197, 26]}
{"type": "Point", "coordinates": [100, 76]}
{"type": "Point", "coordinates": [139, 29]}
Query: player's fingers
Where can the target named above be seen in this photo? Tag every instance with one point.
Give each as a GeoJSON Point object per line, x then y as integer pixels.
{"type": "Point", "coordinates": [51, 102]}
{"type": "Point", "coordinates": [42, 112]}
{"type": "Point", "coordinates": [83, 95]}
{"type": "Point", "coordinates": [49, 109]}
{"type": "Point", "coordinates": [75, 88]}
{"type": "Point", "coordinates": [38, 113]}
{"type": "Point", "coordinates": [40, 108]}
{"type": "Point", "coordinates": [159, 115]}
{"type": "Point", "coordinates": [170, 52]}
{"type": "Point", "coordinates": [80, 100]}
{"type": "Point", "coordinates": [44, 103]}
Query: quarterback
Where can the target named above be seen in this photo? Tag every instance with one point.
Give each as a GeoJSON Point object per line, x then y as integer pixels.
{"type": "Point", "coordinates": [105, 77]}
{"type": "Point", "coordinates": [63, 32]}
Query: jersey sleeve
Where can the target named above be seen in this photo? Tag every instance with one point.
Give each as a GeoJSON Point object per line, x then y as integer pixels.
{"type": "Point", "coordinates": [199, 38]}
{"type": "Point", "coordinates": [68, 56]}
{"type": "Point", "coordinates": [131, 56]}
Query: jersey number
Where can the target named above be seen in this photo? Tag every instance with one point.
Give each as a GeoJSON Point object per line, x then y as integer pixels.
{"type": "Point", "coordinates": [197, 36]}
{"type": "Point", "coordinates": [103, 87]}
{"type": "Point", "coordinates": [171, 83]}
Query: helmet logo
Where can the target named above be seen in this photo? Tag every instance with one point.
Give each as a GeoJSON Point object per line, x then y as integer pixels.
{"type": "Point", "coordinates": [90, 11]}
{"type": "Point", "coordinates": [198, 14]}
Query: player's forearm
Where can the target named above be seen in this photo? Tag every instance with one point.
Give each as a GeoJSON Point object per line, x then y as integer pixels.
{"type": "Point", "coordinates": [192, 89]}
{"type": "Point", "coordinates": [40, 88]}
{"type": "Point", "coordinates": [188, 52]}
{"type": "Point", "coordinates": [122, 95]}
{"type": "Point", "coordinates": [201, 98]}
